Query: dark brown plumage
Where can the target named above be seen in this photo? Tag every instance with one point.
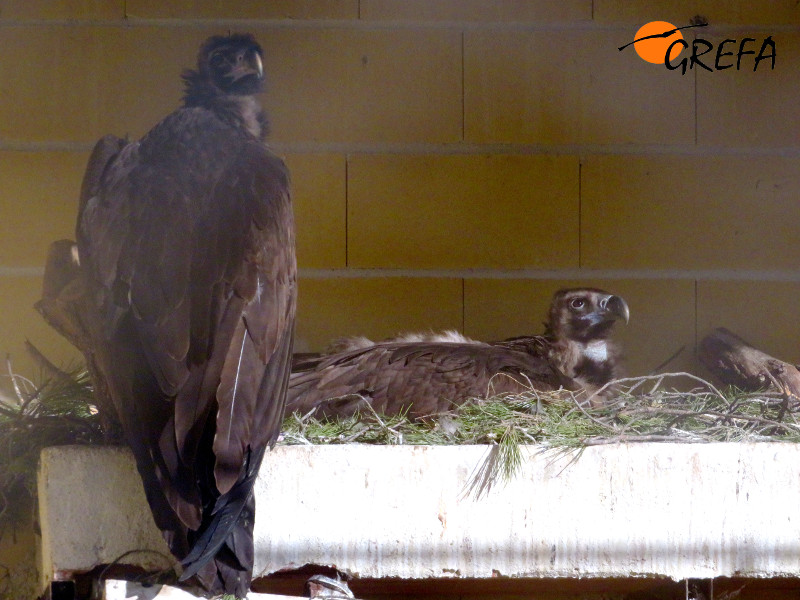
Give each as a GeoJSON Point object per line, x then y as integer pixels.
{"type": "Point", "coordinates": [186, 240]}
{"type": "Point", "coordinates": [429, 377]}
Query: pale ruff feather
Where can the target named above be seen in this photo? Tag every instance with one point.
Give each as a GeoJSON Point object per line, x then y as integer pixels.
{"type": "Point", "coordinates": [596, 351]}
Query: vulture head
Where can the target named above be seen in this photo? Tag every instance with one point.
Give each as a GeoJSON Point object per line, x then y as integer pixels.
{"type": "Point", "coordinates": [585, 314]}
{"type": "Point", "coordinates": [231, 64]}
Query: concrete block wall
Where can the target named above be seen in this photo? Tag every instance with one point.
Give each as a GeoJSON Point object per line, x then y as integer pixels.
{"type": "Point", "coordinates": [454, 161]}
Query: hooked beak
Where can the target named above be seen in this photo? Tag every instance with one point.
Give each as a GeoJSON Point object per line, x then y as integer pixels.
{"type": "Point", "coordinates": [258, 64]}
{"type": "Point", "coordinates": [615, 307]}
{"type": "Point", "coordinates": [250, 66]}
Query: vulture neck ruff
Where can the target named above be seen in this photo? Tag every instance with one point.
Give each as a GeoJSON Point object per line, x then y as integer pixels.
{"type": "Point", "coordinates": [241, 111]}
{"type": "Point", "coordinates": [251, 115]}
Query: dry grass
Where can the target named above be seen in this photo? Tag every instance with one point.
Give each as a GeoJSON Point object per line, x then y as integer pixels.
{"type": "Point", "coordinates": [643, 409]}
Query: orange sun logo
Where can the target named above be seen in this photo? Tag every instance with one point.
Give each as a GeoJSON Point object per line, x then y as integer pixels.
{"type": "Point", "coordinates": [653, 39]}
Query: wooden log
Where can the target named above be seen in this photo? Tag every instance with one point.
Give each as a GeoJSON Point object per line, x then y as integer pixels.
{"type": "Point", "coordinates": [737, 363]}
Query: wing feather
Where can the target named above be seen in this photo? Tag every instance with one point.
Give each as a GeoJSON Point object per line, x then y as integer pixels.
{"type": "Point", "coordinates": [422, 377]}
{"type": "Point", "coordinates": [191, 258]}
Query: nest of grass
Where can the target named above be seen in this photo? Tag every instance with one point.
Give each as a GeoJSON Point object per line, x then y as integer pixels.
{"type": "Point", "coordinates": [59, 410]}
{"type": "Point", "coordinates": [55, 410]}
{"type": "Point", "coordinates": [642, 409]}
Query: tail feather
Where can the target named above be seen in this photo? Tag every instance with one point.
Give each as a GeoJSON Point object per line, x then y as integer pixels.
{"type": "Point", "coordinates": [232, 512]}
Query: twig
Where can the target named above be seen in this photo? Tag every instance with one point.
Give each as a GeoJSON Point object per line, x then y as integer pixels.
{"type": "Point", "coordinates": [22, 397]}
{"type": "Point", "coordinates": [580, 407]}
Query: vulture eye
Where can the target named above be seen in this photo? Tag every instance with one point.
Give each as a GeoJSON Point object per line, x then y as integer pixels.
{"type": "Point", "coordinates": [577, 303]}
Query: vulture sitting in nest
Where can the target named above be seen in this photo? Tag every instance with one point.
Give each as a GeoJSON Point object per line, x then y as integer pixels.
{"type": "Point", "coordinates": [427, 374]}
{"type": "Point", "coordinates": [186, 247]}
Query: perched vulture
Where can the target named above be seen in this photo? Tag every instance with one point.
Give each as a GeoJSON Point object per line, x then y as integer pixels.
{"type": "Point", "coordinates": [186, 241]}
{"type": "Point", "coordinates": [435, 374]}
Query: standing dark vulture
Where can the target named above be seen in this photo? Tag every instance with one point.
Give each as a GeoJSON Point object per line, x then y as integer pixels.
{"type": "Point", "coordinates": [186, 243]}
{"type": "Point", "coordinates": [431, 376]}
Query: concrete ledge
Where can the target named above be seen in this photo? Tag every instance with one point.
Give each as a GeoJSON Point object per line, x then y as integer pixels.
{"type": "Point", "coordinates": [92, 511]}
{"type": "Point", "coordinates": [645, 510]}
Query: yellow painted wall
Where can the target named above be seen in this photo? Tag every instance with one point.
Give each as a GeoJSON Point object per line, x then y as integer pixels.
{"type": "Point", "coordinates": [446, 155]}
{"type": "Point", "coordinates": [454, 161]}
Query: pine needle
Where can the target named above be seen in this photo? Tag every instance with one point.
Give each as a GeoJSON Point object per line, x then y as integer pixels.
{"type": "Point", "coordinates": [57, 411]}
{"type": "Point", "coordinates": [561, 422]}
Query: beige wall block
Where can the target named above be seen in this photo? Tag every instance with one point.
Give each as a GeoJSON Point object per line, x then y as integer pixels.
{"type": "Point", "coordinates": [138, 86]}
{"type": "Point", "coordinates": [764, 313]}
{"type": "Point", "coordinates": [343, 85]}
{"type": "Point", "coordinates": [690, 212]}
{"type": "Point", "coordinates": [496, 309]}
{"type": "Point", "coordinates": [62, 9]}
{"type": "Point", "coordinates": [374, 307]}
{"type": "Point", "coordinates": [272, 9]}
{"type": "Point", "coordinates": [566, 87]}
{"type": "Point", "coordinates": [662, 315]}
{"type": "Point", "coordinates": [38, 203]}
{"type": "Point", "coordinates": [47, 77]}
{"type": "Point", "coordinates": [19, 322]}
{"type": "Point", "coordinates": [324, 84]}
{"type": "Point", "coordinates": [99, 80]}
{"type": "Point", "coordinates": [496, 211]}
{"type": "Point", "coordinates": [319, 197]}
{"type": "Point", "coordinates": [747, 108]}
{"type": "Point", "coordinates": [718, 12]}
{"type": "Point", "coordinates": [537, 11]}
